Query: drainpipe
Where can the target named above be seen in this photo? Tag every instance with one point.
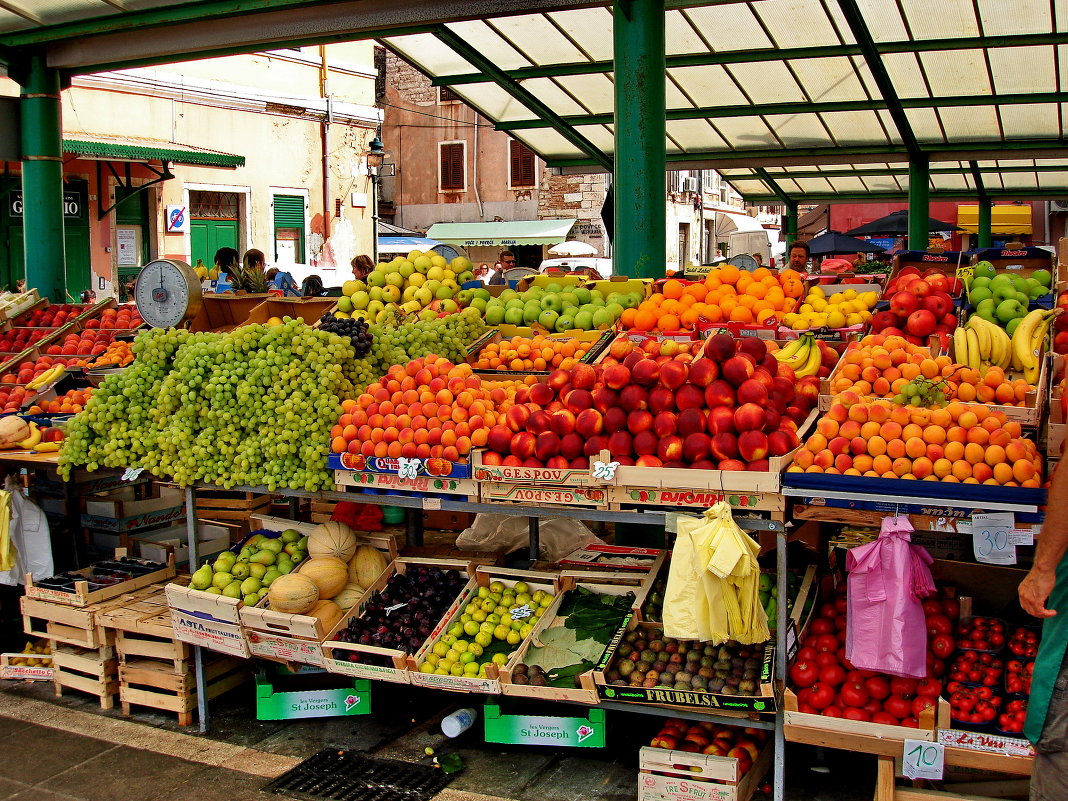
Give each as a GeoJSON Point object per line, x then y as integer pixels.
{"type": "Point", "coordinates": [324, 91]}
{"type": "Point", "coordinates": [474, 171]}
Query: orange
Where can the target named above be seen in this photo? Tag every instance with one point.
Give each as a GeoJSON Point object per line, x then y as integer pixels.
{"type": "Point", "coordinates": [740, 314]}
{"type": "Point", "coordinates": [729, 274]}
{"type": "Point", "coordinates": [645, 320]}
{"type": "Point", "coordinates": [673, 289]}
{"type": "Point", "coordinates": [668, 322]}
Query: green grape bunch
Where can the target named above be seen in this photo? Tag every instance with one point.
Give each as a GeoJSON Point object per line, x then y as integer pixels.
{"type": "Point", "coordinates": [925, 392]}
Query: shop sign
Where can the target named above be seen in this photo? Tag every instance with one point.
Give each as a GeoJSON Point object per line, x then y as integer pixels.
{"type": "Point", "coordinates": [73, 204]}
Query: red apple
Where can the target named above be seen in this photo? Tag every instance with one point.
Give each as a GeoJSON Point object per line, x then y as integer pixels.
{"type": "Point", "coordinates": [920, 289]}
{"type": "Point", "coordinates": [646, 372]}
{"type": "Point", "coordinates": [921, 323]}
{"type": "Point", "coordinates": [633, 358]}
{"type": "Point", "coordinates": [571, 445]}
{"type": "Point", "coordinates": [538, 422]}
{"type": "Point", "coordinates": [562, 422]}
{"type": "Point", "coordinates": [645, 443]}
{"type": "Point", "coordinates": [511, 460]}
{"type": "Point", "coordinates": [588, 423]}
{"type": "Point", "coordinates": [808, 391]}
{"type": "Point", "coordinates": [665, 424]}
{"type": "Point", "coordinates": [772, 418]}
{"type": "Point", "coordinates": [639, 420]}
{"type": "Point", "coordinates": [749, 417]}
{"type": "Point", "coordinates": [516, 417]}
{"type": "Point", "coordinates": [557, 463]}
{"type": "Point", "coordinates": [579, 463]}
{"type": "Point", "coordinates": [703, 372]}
{"type": "Point", "coordinates": [738, 369]}
{"type": "Point", "coordinates": [720, 348]}
{"type": "Point", "coordinates": [616, 376]}
{"type": "Point", "coordinates": [583, 376]}
{"type": "Point", "coordinates": [938, 303]}
{"type": "Point", "coordinates": [620, 349]}
{"type": "Point", "coordinates": [782, 392]}
{"type": "Point", "coordinates": [883, 319]}
{"type": "Point", "coordinates": [651, 346]}
{"type": "Point", "coordinates": [615, 419]}
{"type": "Point", "coordinates": [691, 421]}
{"type": "Point", "coordinates": [546, 445]}
{"type": "Point", "coordinates": [724, 446]}
{"type": "Point", "coordinates": [522, 444]}
{"type": "Point", "coordinates": [721, 420]}
{"type": "Point", "coordinates": [731, 464]}
{"type": "Point", "coordinates": [719, 393]}
{"type": "Point", "coordinates": [902, 304]}
{"type": "Point", "coordinates": [695, 447]}
{"type": "Point", "coordinates": [531, 461]}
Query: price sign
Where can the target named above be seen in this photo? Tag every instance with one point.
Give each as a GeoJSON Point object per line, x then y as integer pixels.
{"type": "Point", "coordinates": [992, 538]}
{"type": "Point", "coordinates": [407, 468]}
{"type": "Point", "coordinates": [431, 504]}
{"type": "Point", "coordinates": [923, 760]}
{"type": "Point", "coordinates": [1022, 536]}
{"type": "Point", "coordinates": [605, 471]}
{"type": "Point", "coordinates": [131, 473]}
{"type": "Point", "coordinates": [522, 612]}
{"type": "Point", "coordinates": [965, 273]}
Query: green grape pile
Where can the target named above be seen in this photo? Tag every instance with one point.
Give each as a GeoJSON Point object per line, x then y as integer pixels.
{"type": "Point", "coordinates": [397, 342]}
{"type": "Point", "coordinates": [253, 406]}
{"type": "Point", "coordinates": [920, 391]}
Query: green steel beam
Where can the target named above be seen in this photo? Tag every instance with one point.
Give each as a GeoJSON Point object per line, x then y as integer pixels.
{"type": "Point", "coordinates": [496, 74]}
{"type": "Point", "coordinates": [767, 109]}
{"type": "Point", "coordinates": [42, 179]}
{"type": "Point", "coordinates": [771, 54]}
{"type": "Point", "coordinates": [775, 188]}
{"type": "Point", "coordinates": [892, 172]}
{"type": "Point", "coordinates": [640, 177]}
{"type": "Point", "coordinates": [985, 206]}
{"type": "Point", "coordinates": [855, 19]}
{"type": "Point", "coordinates": [790, 225]}
{"type": "Point", "coordinates": [919, 201]}
{"type": "Point", "coordinates": [934, 194]}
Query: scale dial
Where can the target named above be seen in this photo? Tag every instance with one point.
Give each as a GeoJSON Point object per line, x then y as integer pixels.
{"type": "Point", "coordinates": [167, 293]}
{"type": "Point", "coordinates": [743, 261]}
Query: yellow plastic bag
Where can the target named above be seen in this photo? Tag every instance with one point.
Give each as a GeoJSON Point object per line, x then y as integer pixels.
{"type": "Point", "coordinates": [685, 612]}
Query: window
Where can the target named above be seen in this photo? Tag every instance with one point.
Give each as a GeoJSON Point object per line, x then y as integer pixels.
{"type": "Point", "coordinates": [446, 95]}
{"type": "Point", "coordinates": [213, 205]}
{"type": "Point", "coordinates": [521, 166]}
{"type": "Point", "coordinates": [453, 170]}
{"type": "Point", "coordinates": [288, 230]}
{"type": "Point", "coordinates": [684, 244]}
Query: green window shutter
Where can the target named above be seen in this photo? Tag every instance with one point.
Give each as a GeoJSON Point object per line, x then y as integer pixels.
{"type": "Point", "coordinates": [288, 211]}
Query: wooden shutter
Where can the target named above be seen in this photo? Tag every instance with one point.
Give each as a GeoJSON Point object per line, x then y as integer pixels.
{"type": "Point", "coordinates": [452, 166]}
{"type": "Point", "coordinates": [522, 158]}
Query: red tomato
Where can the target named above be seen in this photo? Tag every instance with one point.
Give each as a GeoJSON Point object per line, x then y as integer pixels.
{"type": "Point", "coordinates": [936, 667]}
{"type": "Point", "coordinates": [932, 607]}
{"type": "Point", "coordinates": [826, 659]}
{"type": "Point", "coordinates": [878, 687]}
{"type": "Point", "coordinates": [903, 687]}
{"type": "Point", "coordinates": [911, 723]}
{"type": "Point", "coordinates": [804, 674]}
{"type": "Point", "coordinates": [939, 624]}
{"type": "Point", "coordinates": [872, 706]}
{"type": "Point", "coordinates": [951, 608]}
{"type": "Point", "coordinates": [884, 717]}
{"type": "Point", "coordinates": [822, 696]}
{"type": "Point", "coordinates": [827, 642]}
{"type": "Point", "coordinates": [854, 694]}
{"type": "Point", "coordinates": [852, 713]}
{"type": "Point", "coordinates": [833, 675]}
{"type": "Point", "coordinates": [806, 654]}
{"type": "Point", "coordinates": [929, 687]}
{"type": "Point", "coordinates": [942, 646]}
{"type": "Point", "coordinates": [828, 610]}
{"type": "Point", "coordinates": [841, 604]}
{"type": "Point", "coordinates": [822, 625]}
{"type": "Point", "coordinates": [920, 703]}
{"type": "Point", "coordinates": [832, 711]}
{"type": "Point", "coordinates": [898, 706]}
{"type": "Point", "coordinates": [808, 710]}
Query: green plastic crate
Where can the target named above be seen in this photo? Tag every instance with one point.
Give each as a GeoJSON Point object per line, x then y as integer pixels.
{"type": "Point", "coordinates": [351, 697]}
{"type": "Point", "coordinates": [577, 732]}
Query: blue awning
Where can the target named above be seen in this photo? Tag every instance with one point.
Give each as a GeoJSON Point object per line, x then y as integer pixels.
{"type": "Point", "coordinates": [404, 244]}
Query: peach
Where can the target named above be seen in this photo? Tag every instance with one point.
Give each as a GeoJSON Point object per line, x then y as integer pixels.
{"type": "Point", "coordinates": [824, 459]}
{"type": "Point", "coordinates": [849, 429]}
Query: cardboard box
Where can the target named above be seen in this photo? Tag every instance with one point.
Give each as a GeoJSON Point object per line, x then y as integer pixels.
{"type": "Point", "coordinates": [26, 672]}
{"type": "Point", "coordinates": [224, 312]}
{"type": "Point", "coordinates": [161, 544]}
{"type": "Point", "coordinates": [495, 492]}
{"type": "Point", "coordinates": [558, 732]}
{"type": "Point", "coordinates": [530, 476]}
{"type": "Point", "coordinates": [614, 557]}
{"type": "Point", "coordinates": [667, 775]}
{"type": "Point", "coordinates": [599, 342]}
{"type": "Point", "coordinates": [335, 697]}
{"type": "Point", "coordinates": [364, 480]}
{"type": "Point", "coordinates": [309, 309]}
{"type": "Point", "coordinates": [696, 498]}
{"type": "Point", "coordinates": [413, 468]}
{"type": "Point", "coordinates": [119, 512]}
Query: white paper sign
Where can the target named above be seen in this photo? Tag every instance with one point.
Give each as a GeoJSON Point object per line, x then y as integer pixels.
{"type": "Point", "coordinates": [126, 239]}
{"type": "Point", "coordinates": [131, 473]}
{"type": "Point", "coordinates": [990, 538]}
{"type": "Point", "coordinates": [1022, 536]}
{"type": "Point", "coordinates": [431, 504]}
{"type": "Point", "coordinates": [605, 470]}
{"type": "Point", "coordinates": [407, 468]}
{"type": "Point", "coordinates": [923, 760]}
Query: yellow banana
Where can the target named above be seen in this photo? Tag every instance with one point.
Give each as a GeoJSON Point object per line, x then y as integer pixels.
{"type": "Point", "coordinates": [972, 348]}
{"type": "Point", "coordinates": [48, 447]}
{"type": "Point", "coordinates": [812, 366]}
{"type": "Point", "coordinates": [960, 345]}
{"type": "Point", "coordinates": [787, 353]}
{"type": "Point", "coordinates": [35, 437]}
{"type": "Point", "coordinates": [47, 376]}
{"type": "Point", "coordinates": [1001, 344]}
{"type": "Point", "coordinates": [800, 356]}
{"type": "Point", "coordinates": [1022, 347]}
{"type": "Point", "coordinates": [975, 323]}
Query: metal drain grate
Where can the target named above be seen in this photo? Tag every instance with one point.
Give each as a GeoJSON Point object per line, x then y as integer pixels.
{"type": "Point", "coordinates": [352, 776]}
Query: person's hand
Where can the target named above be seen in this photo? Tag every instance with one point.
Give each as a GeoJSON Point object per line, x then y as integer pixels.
{"type": "Point", "coordinates": [1035, 590]}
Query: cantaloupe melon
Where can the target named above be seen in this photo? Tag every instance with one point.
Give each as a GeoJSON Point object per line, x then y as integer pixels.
{"type": "Point", "coordinates": [330, 575]}
{"type": "Point", "coordinates": [366, 565]}
{"type": "Point", "coordinates": [349, 596]}
{"type": "Point", "coordinates": [332, 539]}
{"type": "Point", "coordinates": [292, 593]}
{"type": "Point", "coordinates": [328, 612]}
{"type": "Point", "coordinates": [13, 430]}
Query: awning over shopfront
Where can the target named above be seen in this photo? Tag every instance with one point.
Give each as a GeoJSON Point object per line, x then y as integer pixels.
{"type": "Point", "coordinates": [404, 244]}
{"type": "Point", "coordinates": [1004, 219]}
{"type": "Point", "coordinates": [122, 149]}
{"type": "Point", "coordinates": [728, 223]}
{"type": "Point", "coordinates": [502, 234]}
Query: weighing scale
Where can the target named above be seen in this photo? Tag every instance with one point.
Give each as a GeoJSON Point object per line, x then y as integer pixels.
{"type": "Point", "coordinates": [167, 293]}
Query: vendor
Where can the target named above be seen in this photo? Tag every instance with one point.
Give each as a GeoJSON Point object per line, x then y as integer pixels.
{"type": "Point", "coordinates": [362, 266]}
{"type": "Point", "coordinates": [227, 261]}
{"type": "Point", "coordinates": [798, 257]}
{"type": "Point", "coordinates": [1044, 594]}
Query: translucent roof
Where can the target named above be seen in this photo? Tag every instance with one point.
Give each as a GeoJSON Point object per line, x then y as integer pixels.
{"type": "Point", "coordinates": [763, 83]}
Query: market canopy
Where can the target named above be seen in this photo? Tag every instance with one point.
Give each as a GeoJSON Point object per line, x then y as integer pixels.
{"type": "Point", "coordinates": [502, 234]}
{"type": "Point", "coordinates": [1014, 220]}
{"type": "Point", "coordinates": [102, 148]}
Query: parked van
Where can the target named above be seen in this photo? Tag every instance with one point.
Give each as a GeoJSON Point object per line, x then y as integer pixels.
{"type": "Point", "coordinates": [572, 264]}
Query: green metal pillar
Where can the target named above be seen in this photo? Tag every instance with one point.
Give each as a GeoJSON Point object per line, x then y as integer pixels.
{"type": "Point", "coordinates": [790, 225]}
{"type": "Point", "coordinates": [919, 201]}
{"type": "Point", "coordinates": [42, 179]}
{"type": "Point", "coordinates": [986, 216]}
{"type": "Point", "coordinates": [640, 176]}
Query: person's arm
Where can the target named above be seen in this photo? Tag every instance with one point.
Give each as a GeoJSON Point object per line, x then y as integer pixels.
{"type": "Point", "coordinates": [1037, 585]}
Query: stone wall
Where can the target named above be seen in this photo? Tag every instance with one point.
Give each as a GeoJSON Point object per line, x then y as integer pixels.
{"type": "Point", "coordinates": [579, 197]}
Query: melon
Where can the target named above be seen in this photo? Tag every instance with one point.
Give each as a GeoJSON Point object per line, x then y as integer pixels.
{"type": "Point", "coordinates": [332, 539]}
{"type": "Point", "coordinates": [349, 596]}
{"type": "Point", "coordinates": [328, 612]}
{"type": "Point", "coordinates": [330, 575]}
{"type": "Point", "coordinates": [292, 593]}
{"type": "Point", "coordinates": [13, 430]}
{"type": "Point", "coordinates": [366, 565]}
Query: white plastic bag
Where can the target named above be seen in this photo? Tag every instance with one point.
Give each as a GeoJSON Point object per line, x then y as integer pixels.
{"type": "Point", "coordinates": [31, 537]}
{"type": "Point", "coordinates": [557, 537]}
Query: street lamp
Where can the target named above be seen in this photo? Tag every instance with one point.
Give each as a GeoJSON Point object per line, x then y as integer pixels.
{"type": "Point", "coordinates": [375, 155]}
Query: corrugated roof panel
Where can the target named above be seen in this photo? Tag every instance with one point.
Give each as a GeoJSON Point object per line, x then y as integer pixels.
{"type": "Point", "coordinates": [751, 187]}
{"type": "Point", "coordinates": [956, 72]}
{"type": "Point", "coordinates": [600, 135]}
{"type": "Point", "coordinates": [493, 101]}
{"type": "Point", "coordinates": [855, 127]}
{"type": "Point", "coordinates": [905, 72]}
{"type": "Point", "coordinates": [781, 18]}
{"type": "Point", "coordinates": [539, 38]}
{"type": "Point", "coordinates": [767, 82]}
{"type": "Point", "coordinates": [1023, 69]}
{"type": "Point", "coordinates": [940, 19]}
{"type": "Point", "coordinates": [1019, 180]}
{"type": "Point", "coordinates": [829, 78]}
{"type": "Point", "coordinates": [431, 54]}
{"type": "Point", "coordinates": [549, 144]}
{"type": "Point", "coordinates": [587, 27]}
{"type": "Point", "coordinates": [745, 132]}
{"type": "Point", "coordinates": [709, 86]}
{"type": "Point", "coordinates": [884, 183]}
{"type": "Point", "coordinates": [680, 36]}
{"type": "Point", "coordinates": [695, 135]}
{"type": "Point", "coordinates": [999, 17]}
{"type": "Point", "coordinates": [1030, 121]}
{"type": "Point", "coordinates": [884, 21]}
{"type": "Point", "coordinates": [549, 92]}
{"type": "Point", "coordinates": [804, 130]}
{"type": "Point", "coordinates": [491, 44]}
{"type": "Point", "coordinates": [972, 122]}
{"type": "Point", "coordinates": [924, 124]}
{"type": "Point", "coordinates": [675, 98]}
{"type": "Point", "coordinates": [729, 27]}
{"type": "Point", "coordinates": [813, 185]}
{"type": "Point", "coordinates": [595, 91]}
{"type": "Point", "coordinates": [1052, 180]}
{"type": "Point", "coordinates": [945, 182]}
{"type": "Point", "coordinates": [846, 184]}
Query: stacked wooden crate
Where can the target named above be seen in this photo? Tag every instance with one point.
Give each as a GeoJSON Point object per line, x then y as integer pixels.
{"type": "Point", "coordinates": [154, 668]}
{"type": "Point", "coordinates": [322, 510]}
{"type": "Point", "coordinates": [232, 508]}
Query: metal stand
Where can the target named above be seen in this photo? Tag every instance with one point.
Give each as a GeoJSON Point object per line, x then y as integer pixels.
{"type": "Point", "coordinates": [534, 527]}
{"type": "Point", "coordinates": [198, 656]}
{"type": "Point", "coordinates": [413, 526]}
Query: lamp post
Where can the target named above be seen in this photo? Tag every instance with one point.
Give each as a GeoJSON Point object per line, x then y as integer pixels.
{"type": "Point", "coordinates": [375, 156]}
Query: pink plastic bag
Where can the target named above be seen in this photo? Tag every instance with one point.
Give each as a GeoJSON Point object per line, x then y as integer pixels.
{"type": "Point", "coordinates": [887, 580]}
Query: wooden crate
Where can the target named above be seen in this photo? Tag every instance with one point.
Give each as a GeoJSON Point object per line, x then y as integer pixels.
{"type": "Point", "coordinates": [148, 682]}
{"type": "Point", "coordinates": [321, 511]}
{"type": "Point", "coordinates": [143, 631]}
{"type": "Point", "coordinates": [82, 596]}
{"type": "Point", "coordinates": [231, 505]}
{"type": "Point", "coordinates": [666, 775]}
{"type": "Point", "coordinates": [88, 670]}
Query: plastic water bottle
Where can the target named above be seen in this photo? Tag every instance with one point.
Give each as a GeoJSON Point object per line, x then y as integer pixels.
{"type": "Point", "coordinates": [458, 722]}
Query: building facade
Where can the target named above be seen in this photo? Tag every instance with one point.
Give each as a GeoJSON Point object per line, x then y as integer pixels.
{"type": "Point", "coordinates": [260, 151]}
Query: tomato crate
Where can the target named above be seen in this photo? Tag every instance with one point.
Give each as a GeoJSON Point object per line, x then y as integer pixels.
{"type": "Point", "coordinates": [670, 775]}
{"type": "Point", "coordinates": [483, 577]}
{"type": "Point", "coordinates": [854, 735]}
{"type": "Point", "coordinates": [372, 661]}
{"type": "Point", "coordinates": [601, 583]}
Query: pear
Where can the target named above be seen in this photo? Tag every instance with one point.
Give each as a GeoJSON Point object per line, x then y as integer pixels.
{"type": "Point", "coordinates": [240, 570]}
{"type": "Point", "coordinates": [274, 546]}
{"type": "Point", "coordinates": [213, 590]}
{"type": "Point", "coordinates": [250, 585]}
{"type": "Point", "coordinates": [284, 565]}
{"type": "Point", "coordinates": [232, 590]}
{"type": "Point", "coordinates": [290, 535]}
{"type": "Point", "coordinates": [244, 553]}
{"type": "Point", "coordinates": [256, 570]}
{"type": "Point", "coordinates": [270, 576]}
{"type": "Point", "coordinates": [251, 599]}
{"type": "Point", "coordinates": [263, 557]}
{"type": "Point", "coordinates": [221, 580]}
{"type": "Point", "coordinates": [201, 579]}
{"type": "Point", "coordinates": [254, 541]}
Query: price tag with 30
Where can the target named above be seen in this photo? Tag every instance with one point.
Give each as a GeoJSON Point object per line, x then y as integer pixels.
{"type": "Point", "coordinates": [407, 468]}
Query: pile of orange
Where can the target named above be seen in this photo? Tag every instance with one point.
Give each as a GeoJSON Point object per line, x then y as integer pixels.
{"type": "Point", "coordinates": [961, 443]}
{"type": "Point", "coordinates": [118, 354]}
{"type": "Point", "coordinates": [71, 402]}
{"type": "Point", "coordinates": [726, 295]}
{"type": "Point", "coordinates": [532, 353]}
{"type": "Point", "coordinates": [880, 365]}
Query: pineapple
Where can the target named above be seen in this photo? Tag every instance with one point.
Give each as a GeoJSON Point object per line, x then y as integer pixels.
{"type": "Point", "coordinates": [252, 280]}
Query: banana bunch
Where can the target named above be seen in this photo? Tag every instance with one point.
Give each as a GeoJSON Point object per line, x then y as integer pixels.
{"type": "Point", "coordinates": [1028, 340]}
{"type": "Point", "coordinates": [33, 439]}
{"type": "Point", "coordinates": [803, 355]}
{"type": "Point", "coordinates": [48, 376]}
{"type": "Point", "coordinates": [980, 344]}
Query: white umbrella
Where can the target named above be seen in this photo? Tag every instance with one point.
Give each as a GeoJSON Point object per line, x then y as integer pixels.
{"type": "Point", "coordinates": [573, 248]}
